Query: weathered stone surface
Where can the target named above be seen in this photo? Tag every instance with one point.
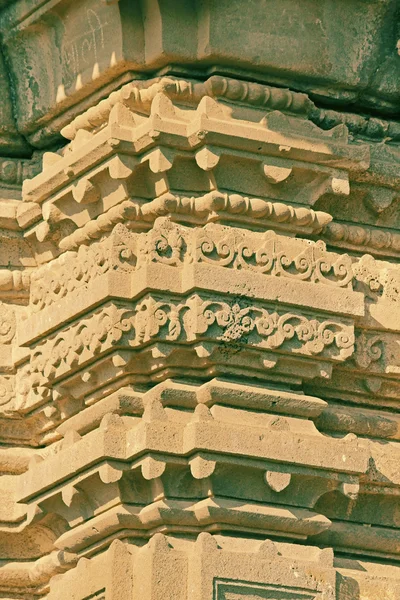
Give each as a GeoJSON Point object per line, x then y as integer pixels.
{"type": "Point", "coordinates": [63, 56]}
{"type": "Point", "coordinates": [199, 300]}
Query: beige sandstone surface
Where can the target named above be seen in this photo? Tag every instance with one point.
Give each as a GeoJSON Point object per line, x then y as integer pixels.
{"type": "Point", "coordinates": [199, 300]}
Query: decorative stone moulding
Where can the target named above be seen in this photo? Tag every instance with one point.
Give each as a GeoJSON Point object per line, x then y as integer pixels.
{"type": "Point", "coordinates": [199, 300]}
{"type": "Point", "coordinates": [212, 247]}
{"type": "Point", "coordinates": [257, 568]}
{"type": "Point", "coordinates": [184, 160]}
{"type": "Point", "coordinates": [64, 57]}
{"type": "Point", "coordinates": [204, 447]}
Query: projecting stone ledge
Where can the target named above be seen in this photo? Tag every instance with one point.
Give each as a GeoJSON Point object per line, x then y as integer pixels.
{"type": "Point", "coordinates": [199, 300]}
{"type": "Point", "coordinates": [61, 57]}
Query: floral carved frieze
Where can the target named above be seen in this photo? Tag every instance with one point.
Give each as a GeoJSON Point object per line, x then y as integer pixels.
{"type": "Point", "coordinates": [174, 245]}
{"type": "Point", "coordinates": [269, 256]}
{"type": "Point", "coordinates": [187, 321]}
{"type": "Point", "coordinates": [75, 269]}
{"type": "Point", "coordinates": [311, 336]}
{"type": "Point", "coordinates": [199, 304]}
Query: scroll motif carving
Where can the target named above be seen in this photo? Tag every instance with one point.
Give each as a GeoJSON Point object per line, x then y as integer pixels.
{"type": "Point", "coordinates": [159, 319]}
{"type": "Point", "coordinates": [186, 321]}
{"type": "Point", "coordinates": [75, 270]}
{"type": "Point", "coordinates": [171, 244]}
{"type": "Point", "coordinates": [77, 343]}
{"type": "Point", "coordinates": [7, 324]}
{"type": "Point", "coordinates": [269, 257]}
{"type": "Point", "coordinates": [199, 369]}
{"type": "Point", "coordinates": [369, 349]}
{"type": "Point", "coordinates": [164, 244]}
{"type": "Point", "coordinates": [273, 329]}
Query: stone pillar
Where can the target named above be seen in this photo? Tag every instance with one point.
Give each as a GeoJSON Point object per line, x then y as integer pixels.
{"type": "Point", "coordinates": [199, 301]}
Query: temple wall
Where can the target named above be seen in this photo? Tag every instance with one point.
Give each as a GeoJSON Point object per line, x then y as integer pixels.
{"type": "Point", "coordinates": [199, 300]}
